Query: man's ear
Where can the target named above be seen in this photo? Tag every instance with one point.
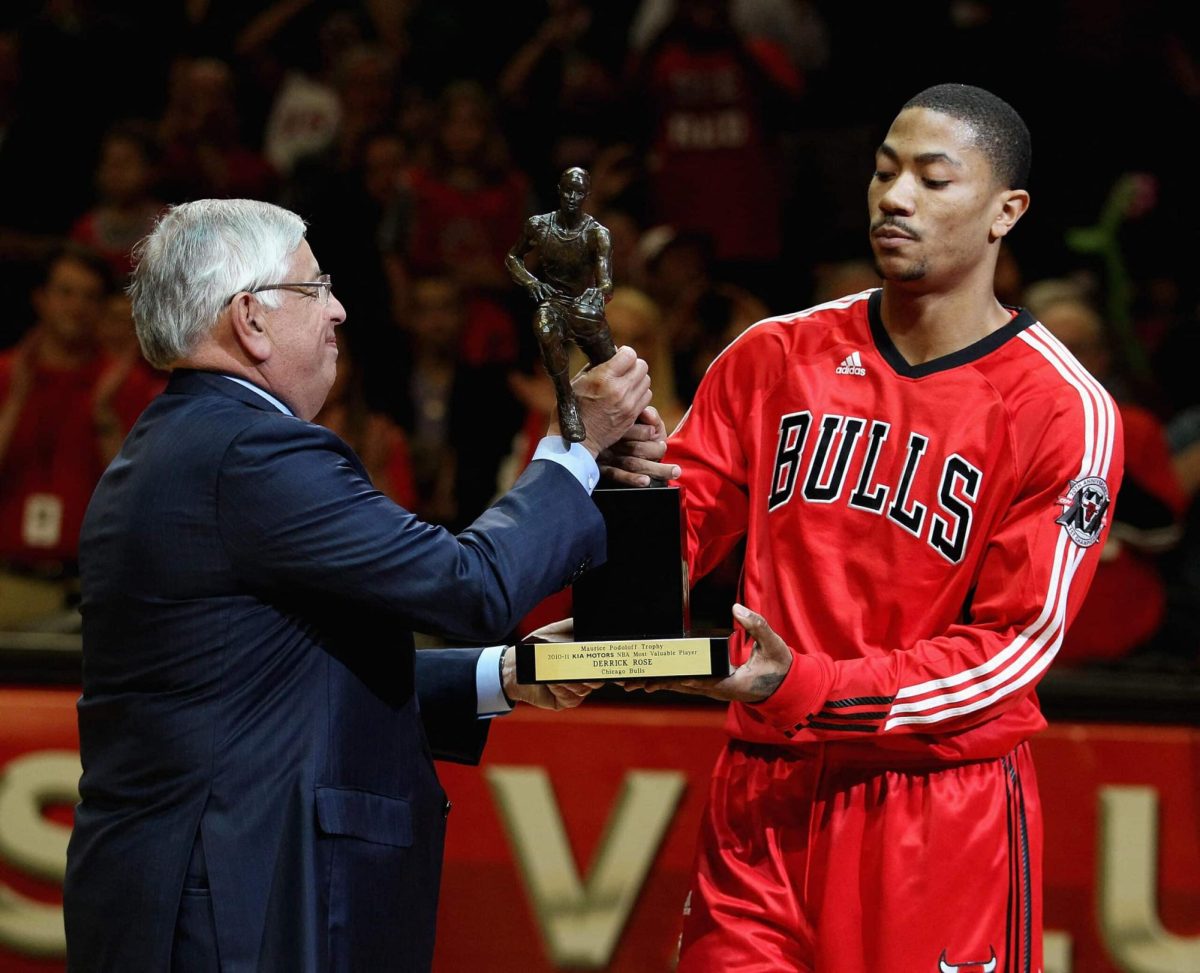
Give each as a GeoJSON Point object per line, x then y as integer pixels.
{"type": "Point", "coordinates": [245, 316]}
{"type": "Point", "coordinates": [1013, 204]}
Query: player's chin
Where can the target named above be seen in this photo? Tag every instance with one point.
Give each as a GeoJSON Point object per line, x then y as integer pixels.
{"type": "Point", "coordinates": [892, 268]}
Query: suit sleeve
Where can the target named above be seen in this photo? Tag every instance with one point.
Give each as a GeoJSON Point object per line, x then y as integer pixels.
{"type": "Point", "coordinates": [446, 690]}
{"type": "Point", "coordinates": [1036, 568]}
{"type": "Point", "coordinates": [298, 515]}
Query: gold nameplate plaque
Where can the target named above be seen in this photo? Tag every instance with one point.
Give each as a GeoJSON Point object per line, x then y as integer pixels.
{"type": "Point", "coordinates": [645, 658]}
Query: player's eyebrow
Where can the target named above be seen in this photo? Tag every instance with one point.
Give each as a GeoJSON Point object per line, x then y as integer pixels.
{"type": "Point", "coordinates": [924, 159]}
{"type": "Point", "coordinates": [928, 158]}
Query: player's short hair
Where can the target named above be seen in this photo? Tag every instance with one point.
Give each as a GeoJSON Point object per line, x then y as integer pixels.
{"type": "Point", "coordinates": [198, 256]}
{"type": "Point", "coordinates": [1000, 133]}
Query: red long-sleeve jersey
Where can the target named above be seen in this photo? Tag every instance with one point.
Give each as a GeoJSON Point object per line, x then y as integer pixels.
{"type": "Point", "coordinates": [921, 536]}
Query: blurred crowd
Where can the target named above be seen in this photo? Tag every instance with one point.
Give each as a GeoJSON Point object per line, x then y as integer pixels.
{"type": "Point", "coordinates": [729, 144]}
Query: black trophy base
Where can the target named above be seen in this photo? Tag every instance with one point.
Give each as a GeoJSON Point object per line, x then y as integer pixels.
{"type": "Point", "coordinates": [641, 591]}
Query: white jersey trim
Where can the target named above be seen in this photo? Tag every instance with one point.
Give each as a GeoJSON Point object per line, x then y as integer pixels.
{"type": "Point", "coordinates": [1099, 427]}
{"type": "Point", "coordinates": [840, 303]}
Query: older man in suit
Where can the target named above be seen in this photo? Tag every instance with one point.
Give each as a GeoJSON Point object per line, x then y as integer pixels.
{"type": "Point", "coordinates": [257, 733]}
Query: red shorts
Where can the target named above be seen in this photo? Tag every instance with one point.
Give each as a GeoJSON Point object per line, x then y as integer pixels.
{"type": "Point", "coordinates": [809, 865]}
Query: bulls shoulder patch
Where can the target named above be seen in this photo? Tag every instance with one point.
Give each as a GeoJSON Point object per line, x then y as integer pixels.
{"type": "Point", "coordinates": [1084, 508]}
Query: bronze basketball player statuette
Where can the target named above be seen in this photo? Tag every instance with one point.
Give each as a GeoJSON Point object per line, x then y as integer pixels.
{"type": "Point", "coordinates": [575, 261]}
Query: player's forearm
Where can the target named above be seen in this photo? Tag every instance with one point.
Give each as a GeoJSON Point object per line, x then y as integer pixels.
{"type": "Point", "coordinates": [938, 686]}
{"type": "Point", "coordinates": [518, 271]}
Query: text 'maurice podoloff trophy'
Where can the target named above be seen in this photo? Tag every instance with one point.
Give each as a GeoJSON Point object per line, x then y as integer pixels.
{"type": "Point", "coordinates": [631, 614]}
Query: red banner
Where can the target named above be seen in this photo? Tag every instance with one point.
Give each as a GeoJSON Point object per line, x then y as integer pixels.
{"type": "Point", "coordinates": [570, 847]}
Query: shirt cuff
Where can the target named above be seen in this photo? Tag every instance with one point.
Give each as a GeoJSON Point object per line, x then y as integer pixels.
{"type": "Point", "coordinates": [577, 460]}
{"type": "Point", "coordinates": [803, 691]}
{"type": "Point", "coordinates": [489, 694]}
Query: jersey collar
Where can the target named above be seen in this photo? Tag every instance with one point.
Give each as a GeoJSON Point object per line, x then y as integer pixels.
{"type": "Point", "coordinates": [984, 346]}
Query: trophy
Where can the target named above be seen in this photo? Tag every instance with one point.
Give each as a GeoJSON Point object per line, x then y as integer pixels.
{"type": "Point", "coordinates": [631, 613]}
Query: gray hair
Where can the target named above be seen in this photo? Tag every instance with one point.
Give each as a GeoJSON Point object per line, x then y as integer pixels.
{"type": "Point", "coordinates": [196, 258]}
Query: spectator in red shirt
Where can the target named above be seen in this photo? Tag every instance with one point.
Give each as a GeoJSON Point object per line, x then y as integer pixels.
{"type": "Point", "coordinates": [458, 212]}
{"type": "Point", "coordinates": [203, 154]}
{"type": "Point", "coordinates": [711, 101]}
{"type": "Point", "coordinates": [379, 442]}
{"type": "Point", "coordinates": [126, 208]}
{"type": "Point", "coordinates": [65, 406]}
{"type": "Point", "coordinates": [1127, 600]}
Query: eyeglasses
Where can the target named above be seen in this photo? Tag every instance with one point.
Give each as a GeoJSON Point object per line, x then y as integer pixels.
{"type": "Point", "coordinates": [323, 285]}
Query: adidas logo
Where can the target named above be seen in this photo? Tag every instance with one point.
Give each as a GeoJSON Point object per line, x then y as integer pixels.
{"type": "Point", "coordinates": [851, 366]}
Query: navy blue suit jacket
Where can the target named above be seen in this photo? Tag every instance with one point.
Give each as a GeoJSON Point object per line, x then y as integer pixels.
{"type": "Point", "coordinates": [257, 732]}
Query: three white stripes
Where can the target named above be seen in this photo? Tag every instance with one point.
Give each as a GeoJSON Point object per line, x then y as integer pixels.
{"type": "Point", "coordinates": [1034, 649]}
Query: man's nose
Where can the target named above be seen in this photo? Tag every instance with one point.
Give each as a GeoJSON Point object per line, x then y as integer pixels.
{"type": "Point", "coordinates": [337, 311]}
{"type": "Point", "coordinates": [898, 197]}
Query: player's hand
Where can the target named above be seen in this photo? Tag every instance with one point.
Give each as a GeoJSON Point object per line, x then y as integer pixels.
{"type": "Point", "coordinates": [611, 396]}
{"type": "Point", "coordinates": [551, 695]}
{"type": "Point", "coordinates": [753, 681]}
{"type": "Point", "coordinates": [593, 297]}
{"type": "Point", "coordinates": [540, 291]}
{"type": "Point", "coordinates": [634, 458]}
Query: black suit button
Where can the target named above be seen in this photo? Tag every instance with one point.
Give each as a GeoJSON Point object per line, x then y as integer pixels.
{"type": "Point", "coordinates": [446, 809]}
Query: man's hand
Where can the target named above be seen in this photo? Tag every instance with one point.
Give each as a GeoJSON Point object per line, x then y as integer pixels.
{"type": "Point", "coordinates": [753, 681]}
{"type": "Point", "coordinates": [552, 695]}
{"type": "Point", "coordinates": [611, 396]}
{"type": "Point", "coordinates": [633, 459]}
